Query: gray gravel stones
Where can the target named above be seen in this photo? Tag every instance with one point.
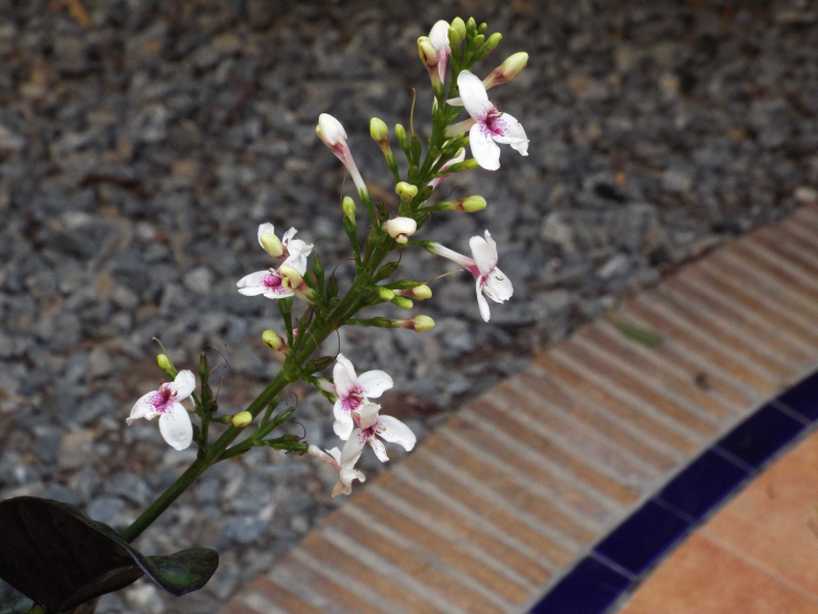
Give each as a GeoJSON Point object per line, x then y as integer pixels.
{"type": "Point", "coordinates": [137, 156]}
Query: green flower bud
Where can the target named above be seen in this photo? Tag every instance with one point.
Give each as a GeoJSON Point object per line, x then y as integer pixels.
{"type": "Point", "coordinates": [512, 66]}
{"type": "Point", "coordinates": [348, 207]}
{"type": "Point", "coordinates": [473, 203]}
{"type": "Point", "coordinates": [378, 130]}
{"type": "Point", "coordinates": [421, 292]}
{"type": "Point", "coordinates": [471, 25]}
{"type": "Point", "coordinates": [422, 323]}
{"type": "Point", "coordinates": [427, 52]}
{"type": "Point", "coordinates": [403, 302]}
{"type": "Point", "coordinates": [241, 419]}
{"type": "Point", "coordinates": [457, 32]}
{"type": "Point", "coordinates": [272, 340]}
{"type": "Point", "coordinates": [479, 40]}
{"type": "Point", "coordinates": [164, 362]}
{"type": "Point", "coordinates": [491, 44]}
{"type": "Point", "coordinates": [386, 294]}
{"type": "Point", "coordinates": [400, 134]}
{"type": "Point", "coordinates": [406, 191]}
{"type": "Point", "coordinates": [483, 26]}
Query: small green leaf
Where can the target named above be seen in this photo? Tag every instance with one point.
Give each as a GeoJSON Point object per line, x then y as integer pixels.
{"type": "Point", "coordinates": [643, 336]}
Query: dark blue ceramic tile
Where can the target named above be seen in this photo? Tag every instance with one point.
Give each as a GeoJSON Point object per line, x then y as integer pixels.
{"type": "Point", "coordinates": [760, 436]}
{"type": "Point", "coordinates": [803, 397]}
{"type": "Point", "coordinates": [702, 484]}
{"type": "Point", "coordinates": [590, 588]}
{"type": "Point", "coordinates": [643, 537]}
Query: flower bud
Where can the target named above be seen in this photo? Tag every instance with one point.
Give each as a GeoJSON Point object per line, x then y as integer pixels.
{"type": "Point", "coordinates": [421, 292]}
{"type": "Point", "coordinates": [378, 130]}
{"type": "Point", "coordinates": [292, 276]}
{"type": "Point", "coordinates": [241, 419]}
{"type": "Point", "coordinates": [348, 206]}
{"type": "Point", "coordinates": [422, 323]}
{"type": "Point", "coordinates": [406, 191]}
{"type": "Point", "coordinates": [490, 44]}
{"type": "Point", "coordinates": [330, 130]}
{"type": "Point", "coordinates": [272, 340]}
{"type": "Point", "coordinates": [471, 25]}
{"type": "Point", "coordinates": [400, 134]}
{"type": "Point", "coordinates": [403, 302]}
{"type": "Point", "coordinates": [385, 294]}
{"type": "Point", "coordinates": [457, 32]}
{"type": "Point", "coordinates": [427, 52]}
{"type": "Point", "coordinates": [479, 40]}
{"type": "Point", "coordinates": [400, 228]}
{"type": "Point", "coordinates": [473, 203]}
{"type": "Point", "coordinates": [512, 66]}
{"type": "Point", "coordinates": [268, 240]}
{"type": "Point", "coordinates": [164, 362]}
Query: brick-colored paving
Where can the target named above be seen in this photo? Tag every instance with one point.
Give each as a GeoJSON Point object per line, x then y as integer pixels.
{"type": "Point", "coordinates": [757, 555]}
{"type": "Point", "coordinates": [495, 504]}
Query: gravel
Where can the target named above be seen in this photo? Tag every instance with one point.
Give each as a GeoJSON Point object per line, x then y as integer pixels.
{"type": "Point", "coordinates": [138, 154]}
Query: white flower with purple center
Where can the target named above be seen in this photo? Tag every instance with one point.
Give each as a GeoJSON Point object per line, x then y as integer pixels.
{"type": "Point", "coordinates": [370, 429]}
{"type": "Point", "coordinates": [272, 283]}
{"type": "Point", "coordinates": [491, 282]}
{"type": "Point", "coordinates": [488, 126]}
{"type": "Point", "coordinates": [166, 402]}
{"type": "Point", "coordinates": [353, 392]}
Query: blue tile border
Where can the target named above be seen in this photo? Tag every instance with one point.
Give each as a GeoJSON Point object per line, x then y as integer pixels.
{"type": "Point", "coordinates": [622, 559]}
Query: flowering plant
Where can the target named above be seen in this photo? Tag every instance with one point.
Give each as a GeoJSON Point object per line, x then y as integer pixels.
{"type": "Point", "coordinates": [312, 307]}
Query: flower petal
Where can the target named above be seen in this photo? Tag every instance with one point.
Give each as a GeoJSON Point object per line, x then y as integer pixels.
{"type": "Point", "coordinates": [439, 35]}
{"type": "Point", "coordinates": [176, 428]}
{"type": "Point", "coordinates": [265, 229]}
{"type": "Point", "coordinates": [287, 236]}
{"type": "Point", "coordinates": [281, 291]}
{"type": "Point", "coordinates": [498, 286]}
{"type": "Point", "coordinates": [253, 284]}
{"type": "Point", "coordinates": [368, 415]}
{"type": "Point", "coordinates": [474, 96]}
{"type": "Point", "coordinates": [450, 254]}
{"type": "Point", "coordinates": [379, 449]}
{"type": "Point", "coordinates": [394, 431]}
{"type": "Point", "coordinates": [343, 424]}
{"type": "Point", "coordinates": [183, 384]}
{"type": "Point", "coordinates": [513, 134]}
{"type": "Point", "coordinates": [352, 450]}
{"type": "Point", "coordinates": [343, 376]}
{"type": "Point", "coordinates": [484, 252]}
{"type": "Point", "coordinates": [143, 408]}
{"type": "Point", "coordinates": [374, 383]}
{"type": "Point", "coordinates": [482, 304]}
{"type": "Point", "coordinates": [328, 457]}
{"type": "Point", "coordinates": [483, 148]}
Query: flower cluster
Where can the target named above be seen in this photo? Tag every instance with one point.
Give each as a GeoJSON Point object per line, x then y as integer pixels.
{"type": "Point", "coordinates": [463, 117]}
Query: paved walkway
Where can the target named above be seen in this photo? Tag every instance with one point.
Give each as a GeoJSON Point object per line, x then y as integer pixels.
{"type": "Point", "coordinates": [496, 504]}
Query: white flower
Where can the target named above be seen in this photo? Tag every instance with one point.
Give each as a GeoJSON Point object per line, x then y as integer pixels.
{"type": "Point", "coordinates": [174, 421]}
{"type": "Point", "coordinates": [370, 429]}
{"type": "Point", "coordinates": [489, 126]}
{"type": "Point", "coordinates": [346, 469]}
{"type": "Point", "coordinates": [491, 282]}
{"type": "Point", "coordinates": [272, 283]}
{"type": "Point", "coordinates": [353, 392]}
{"type": "Point", "coordinates": [400, 228]}
{"type": "Point", "coordinates": [439, 36]}
{"type": "Point", "coordinates": [332, 134]}
{"type": "Point", "coordinates": [459, 157]}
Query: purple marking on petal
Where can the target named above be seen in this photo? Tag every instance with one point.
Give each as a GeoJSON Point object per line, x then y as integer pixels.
{"type": "Point", "coordinates": [272, 280]}
{"type": "Point", "coordinates": [162, 398]}
{"type": "Point", "coordinates": [353, 399]}
{"type": "Point", "coordinates": [493, 123]}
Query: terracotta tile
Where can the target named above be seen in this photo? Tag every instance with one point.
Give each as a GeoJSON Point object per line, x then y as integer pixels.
{"type": "Point", "coordinates": [495, 511]}
{"type": "Point", "coordinates": [715, 405]}
{"type": "Point", "coordinates": [775, 520]}
{"type": "Point", "coordinates": [447, 549]}
{"type": "Point", "coordinates": [790, 247]}
{"type": "Point", "coordinates": [598, 450]}
{"type": "Point", "coordinates": [714, 357]}
{"type": "Point", "coordinates": [695, 424]}
{"type": "Point", "coordinates": [565, 396]}
{"type": "Point", "coordinates": [572, 462]}
{"type": "Point", "coordinates": [533, 571]}
{"type": "Point", "coordinates": [766, 328]}
{"type": "Point", "coordinates": [278, 595]}
{"type": "Point", "coordinates": [559, 487]}
{"type": "Point", "coordinates": [510, 491]}
{"type": "Point", "coordinates": [595, 393]}
{"type": "Point", "coordinates": [237, 607]}
{"type": "Point", "coordinates": [701, 577]}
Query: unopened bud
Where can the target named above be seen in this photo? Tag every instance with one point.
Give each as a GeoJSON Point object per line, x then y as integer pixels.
{"type": "Point", "coordinates": [483, 26]}
{"type": "Point", "coordinates": [268, 240]}
{"type": "Point", "coordinates": [348, 206]}
{"type": "Point", "coordinates": [471, 25]}
{"type": "Point", "coordinates": [272, 340]}
{"type": "Point", "coordinates": [386, 294]}
{"type": "Point", "coordinates": [420, 324]}
{"type": "Point", "coordinates": [330, 130]}
{"type": "Point", "coordinates": [465, 165]}
{"type": "Point", "coordinates": [164, 362]}
{"type": "Point", "coordinates": [241, 419]}
{"type": "Point", "coordinates": [400, 228]}
{"type": "Point", "coordinates": [406, 191]}
{"type": "Point", "coordinates": [512, 66]}
{"type": "Point", "coordinates": [378, 130]}
{"type": "Point", "coordinates": [490, 44]}
{"type": "Point", "coordinates": [479, 40]}
{"type": "Point", "coordinates": [421, 292]}
{"type": "Point", "coordinates": [403, 302]}
{"type": "Point", "coordinates": [427, 52]}
{"type": "Point", "coordinates": [400, 134]}
{"type": "Point", "coordinates": [457, 32]}
{"type": "Point", "coordinates": [473, 203]}
{"type": "Point", "coordinates": [325, 385]}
